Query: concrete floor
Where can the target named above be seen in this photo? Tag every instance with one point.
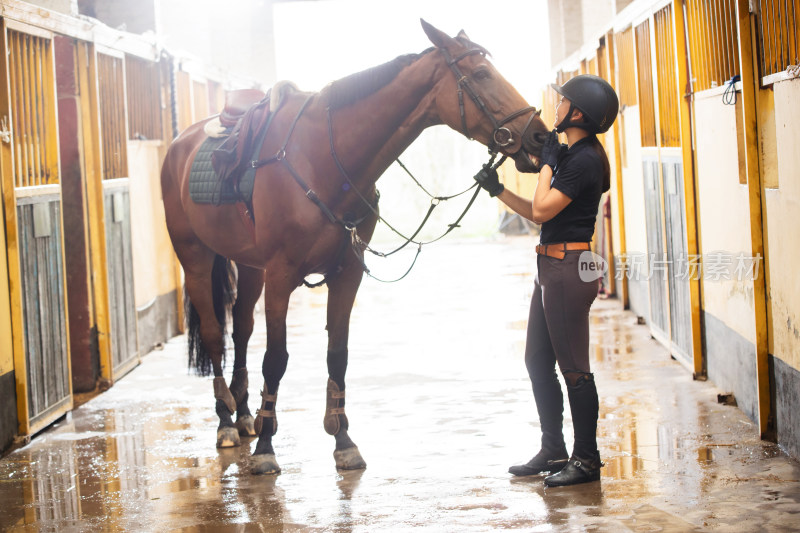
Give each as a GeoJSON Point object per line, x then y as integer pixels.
{"type": "Point", "coordinates": [440, 405]}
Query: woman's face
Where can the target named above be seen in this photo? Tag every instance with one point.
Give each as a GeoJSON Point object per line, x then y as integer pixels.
{"type": "Point", "coordinates": [561, 111]}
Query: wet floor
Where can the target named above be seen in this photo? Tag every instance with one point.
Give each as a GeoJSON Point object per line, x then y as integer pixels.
{"type": "Point", "coordinates": [439, 404]}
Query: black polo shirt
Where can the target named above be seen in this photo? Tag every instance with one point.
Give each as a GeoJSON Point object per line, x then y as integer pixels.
{"type": "Point", "coordinates": [579, 175]}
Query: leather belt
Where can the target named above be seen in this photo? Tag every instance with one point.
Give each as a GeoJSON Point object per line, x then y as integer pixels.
{"type": "Point", "coordinates": [559, 249]}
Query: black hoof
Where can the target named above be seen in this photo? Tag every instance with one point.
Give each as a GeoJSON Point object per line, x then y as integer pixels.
{"type": "Point", "coordinates": [264, 463]}
{"type": "Point", "coordinates": [228, 437]}
{"type": "Point", "coordinates": [349, 459]}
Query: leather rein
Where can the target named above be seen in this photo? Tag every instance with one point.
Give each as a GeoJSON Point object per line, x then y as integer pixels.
{"type": "Point", "coordinates": [501, 137]}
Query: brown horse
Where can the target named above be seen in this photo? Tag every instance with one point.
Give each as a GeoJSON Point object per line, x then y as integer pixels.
{"type": "Point", "coordinates": [329, 147]}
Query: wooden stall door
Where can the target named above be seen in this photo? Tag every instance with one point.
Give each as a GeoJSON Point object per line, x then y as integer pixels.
{"type": "Point", "coordinates": [678, 256]}
{"type": "Point", "coordinates": [116, 214]}
{"type": "Point", "coordinates": [32, 200]}
{"type": "Point", "coordinates": [662, 160]}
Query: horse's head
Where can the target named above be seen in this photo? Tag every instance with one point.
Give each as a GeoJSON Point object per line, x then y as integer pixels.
{"type": "Point", "coordinates": [472, 97]}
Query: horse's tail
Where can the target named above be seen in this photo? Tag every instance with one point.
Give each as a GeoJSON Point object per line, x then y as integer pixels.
{"type": "Point", "coordinates": [223, 278]}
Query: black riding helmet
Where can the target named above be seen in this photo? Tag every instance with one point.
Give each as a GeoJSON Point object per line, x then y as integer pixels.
{"type": "Point", "coordinates": [594, 97]}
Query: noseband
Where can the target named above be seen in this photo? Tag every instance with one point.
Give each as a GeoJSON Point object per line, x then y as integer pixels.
{"type": "Point", "coordinates": [501, 136]}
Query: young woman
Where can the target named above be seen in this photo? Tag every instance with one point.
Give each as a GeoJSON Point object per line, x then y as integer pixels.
{"type": "Point", "coordinates": [571, 181]}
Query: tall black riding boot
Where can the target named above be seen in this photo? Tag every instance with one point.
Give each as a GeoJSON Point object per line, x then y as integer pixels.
{"type": "Point", "coordinates": [550, 405]}
{"type": "Point", "coordinates": [584, 465]}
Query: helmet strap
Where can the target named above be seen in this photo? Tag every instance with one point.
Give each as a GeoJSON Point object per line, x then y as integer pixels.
{"type": "Point", "coordinates": [568, 123]}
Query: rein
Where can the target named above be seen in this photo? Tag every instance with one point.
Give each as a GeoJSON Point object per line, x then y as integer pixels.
{"type": "Point", "coordinates": [501, 137]}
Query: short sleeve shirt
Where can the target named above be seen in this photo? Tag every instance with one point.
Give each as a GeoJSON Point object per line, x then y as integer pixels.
{"type": "Point", "coordinates": [579, 175]}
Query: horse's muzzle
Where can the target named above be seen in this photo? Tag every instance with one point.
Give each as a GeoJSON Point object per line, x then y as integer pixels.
{"type": "Point", "coordinates": [531, 147]}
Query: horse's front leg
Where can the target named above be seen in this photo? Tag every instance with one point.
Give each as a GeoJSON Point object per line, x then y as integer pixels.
{"type": "Point", "coordinates": [278, 287]}
{"type": "Point", "coordinates": [250, 283]}
{"type": "Point", "coordinates": [341, 296]}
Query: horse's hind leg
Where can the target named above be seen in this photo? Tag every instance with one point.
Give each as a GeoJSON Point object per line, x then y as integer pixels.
{"type": "Point", "coordinates": [341, 296]}
{"type": "Point", "coordinates": [250, 283]}
{"type": "Point", "coordinates": [280, 282]}
{"type": "Point", "coordinates": [205, 273]}
{"type": "Point", "coordinates": [207, 290]}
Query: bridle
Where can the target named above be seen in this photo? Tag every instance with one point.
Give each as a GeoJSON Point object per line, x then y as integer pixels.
{"type": "Point", "coordinates": [501, 136]}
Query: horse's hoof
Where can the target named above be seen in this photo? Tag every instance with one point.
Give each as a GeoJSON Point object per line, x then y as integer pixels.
{"type": "Point", "coordinates": [349, 459]}
{"type": "Point", "coordinates": [245, 426]}
{"type": "Point", "coordinates": [264, 463]}
{"type": "Point", "coordinates": [227, 437]}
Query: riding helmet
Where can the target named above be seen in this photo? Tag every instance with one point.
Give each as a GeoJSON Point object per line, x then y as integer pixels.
{"type": "Point", "coordinates": [595, 97]}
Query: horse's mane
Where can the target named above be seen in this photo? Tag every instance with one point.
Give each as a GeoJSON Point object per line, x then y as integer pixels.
{"type": "Point", "coordinates": [354, 87]}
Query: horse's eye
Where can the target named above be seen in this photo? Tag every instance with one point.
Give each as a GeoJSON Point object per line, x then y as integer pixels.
{"type": "Point", "coordinates": [482, 74]}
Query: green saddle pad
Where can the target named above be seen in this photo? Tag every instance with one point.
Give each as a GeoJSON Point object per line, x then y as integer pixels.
{"type": "Point", "coordinates": [204, 186]}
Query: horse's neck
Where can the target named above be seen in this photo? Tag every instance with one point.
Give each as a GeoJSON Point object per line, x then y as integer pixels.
{"type": "Point", "coordinates": [406, 101]}
{"type": "Point", "coordinates": [402, 138]}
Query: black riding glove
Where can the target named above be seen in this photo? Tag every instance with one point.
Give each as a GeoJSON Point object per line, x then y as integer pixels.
{"type": "Point", "coordinates": [551, 149]}
{"type": "Point", "coordinates": [487, 178]}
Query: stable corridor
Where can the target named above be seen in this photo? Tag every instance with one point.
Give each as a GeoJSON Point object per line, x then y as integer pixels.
{"type": "Point", "coordinates": [439, 404]}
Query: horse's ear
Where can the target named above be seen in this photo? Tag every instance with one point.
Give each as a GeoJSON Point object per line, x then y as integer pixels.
{"type": "Point", "coordinates": [462, 35]}
{"type": "Point", "coordinates": [439, 38]}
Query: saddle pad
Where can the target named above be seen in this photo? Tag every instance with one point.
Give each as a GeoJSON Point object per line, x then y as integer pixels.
{"type": "Point", "coordinates": [204, 186]}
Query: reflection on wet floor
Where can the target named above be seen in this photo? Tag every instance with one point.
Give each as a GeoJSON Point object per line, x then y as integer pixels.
{"type": "Point", "coordinates": [440, 405]}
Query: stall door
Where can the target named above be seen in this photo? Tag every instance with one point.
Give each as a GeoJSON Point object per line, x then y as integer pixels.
{"type": "Point", "coordinates": [670, 265]}
{"type": "Point", "coordinates": [32, 196]}
{"type": "Point", "coordinates": [116, 214]}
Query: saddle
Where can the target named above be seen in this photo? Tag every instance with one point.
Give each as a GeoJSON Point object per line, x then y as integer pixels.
{"type": "Point", "coordinates": [221, 172]}
{"type": "Point", "coordinates": [247, 112]}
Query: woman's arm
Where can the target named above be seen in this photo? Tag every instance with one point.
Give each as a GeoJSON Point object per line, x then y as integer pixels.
{"type": "Point", "coordinates": [547, 202]}
{"type": "Point", "coordinates": [517, 203]}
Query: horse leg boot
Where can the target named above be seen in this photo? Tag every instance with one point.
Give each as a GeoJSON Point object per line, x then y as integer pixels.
{"type": "Point", "coordinates": [346, 454]}
{"type": "Point", "coordinates": [341, 296]}
{"type": "Point", "coordinates": [584, 465]}
{"type": "Point", "coordinates": [266, 426]}
{"type": "Point", "coordinates": [245, 423]}
{"type": "Point", "coordinates": [552, 456]}
{"type": "Point", "coordinates": [263, 460]}
{"type": "Point", "coordinates": [278, 287]}
{"type": "Point", "coordinates": [227, 434]}
{"type": "Point", "coordinates": [249, 285]}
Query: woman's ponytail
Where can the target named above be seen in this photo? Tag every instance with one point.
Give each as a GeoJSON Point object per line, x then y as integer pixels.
{"type": "Point", "coordinates": [601, 152]}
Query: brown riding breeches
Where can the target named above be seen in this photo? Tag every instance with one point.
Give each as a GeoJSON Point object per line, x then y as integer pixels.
{"type": "Point", "coordinates": [558, 325]}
